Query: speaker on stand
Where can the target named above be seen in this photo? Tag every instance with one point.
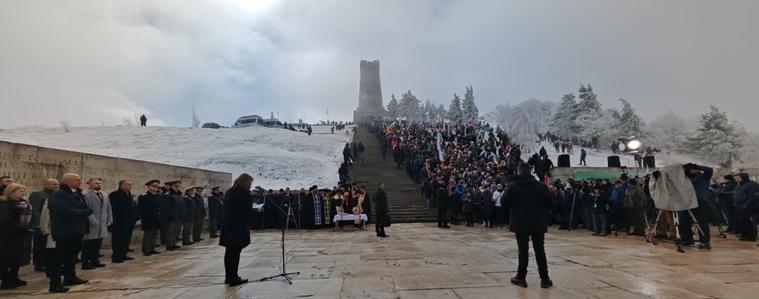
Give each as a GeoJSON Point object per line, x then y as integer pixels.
{"type": "Point", "coordinates": [564, 161]}
{"type": "Point", "coordinates": [613, 161]}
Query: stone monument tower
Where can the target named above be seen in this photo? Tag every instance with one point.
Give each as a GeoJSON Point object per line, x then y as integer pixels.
{"type": "Point", "coordinates": [370, 105]}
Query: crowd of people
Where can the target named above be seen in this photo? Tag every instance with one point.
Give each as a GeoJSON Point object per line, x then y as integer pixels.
{"type": "Point", "coordinates": [464, 170]}
{"type": "Point", "coordinates": [61, 225]}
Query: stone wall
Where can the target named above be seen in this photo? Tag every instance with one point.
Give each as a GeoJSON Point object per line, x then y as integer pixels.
{"type": "Point", "coordinates": [31, 165]}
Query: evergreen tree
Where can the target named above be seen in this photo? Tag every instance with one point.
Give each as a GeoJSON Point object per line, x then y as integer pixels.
{"type": "Point", "coordinates": [440, 113]}
{"type": "Point", "coordinates": [428, 111]}
{"type": "Point", "coordinates": [716, 139]}
{"type": "Point", "coordinates": [392, 108]}
{"type": "Point", "coordinates": [408, 107]}
{"type": "Point", "coordinates": [454, 111]}
{"type": "Point", "coordinates": [628, 122]}
{"type": "Point", "coordinates": [563, 122]}
{"type": "Point", "coordinates": [469, 108]}
{"type": "Point", "coordinates": [589, 116]}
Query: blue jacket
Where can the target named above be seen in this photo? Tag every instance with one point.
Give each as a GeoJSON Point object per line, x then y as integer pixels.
{"type": "Point", "coordinates": [744, 193]}
{"type": "Point", "coordinates": [702, 182]}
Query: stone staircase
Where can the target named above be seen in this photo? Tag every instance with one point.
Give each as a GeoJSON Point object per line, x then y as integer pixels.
{"type": "Point", "coordinates": [403, 194]}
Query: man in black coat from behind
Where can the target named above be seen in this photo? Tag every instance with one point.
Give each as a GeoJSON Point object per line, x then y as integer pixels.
{"type": "Point", "coordinates": [149, 206]}
{"type": "Point", "coordinates": [68, 225]}
{"type": "Point", "coordinates": [382, 218]}
{"type": "Point", "coordinates": [124, 221]}
{"type": "Point", "coordinates": [442, 199]}
{"type": "Point", "coordinates": [235, 226]}
{"type": "Point", "coordinates": [529, 202]}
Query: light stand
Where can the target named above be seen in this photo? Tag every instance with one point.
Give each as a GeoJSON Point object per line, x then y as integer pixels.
{"type": "Point", "coordinates": [285, 216]}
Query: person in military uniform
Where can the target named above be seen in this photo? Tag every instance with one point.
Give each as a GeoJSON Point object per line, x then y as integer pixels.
{"type": "Point", "coordinates": [149, 208]}
{"type": "Point", "coordinates": [173, 206]}
{"type": "Point", "coordinates": [187, 216]}
{"type": "Point", "coordinates": [199, 214]}
{"type": "Point", "coordinates": [215, 210]}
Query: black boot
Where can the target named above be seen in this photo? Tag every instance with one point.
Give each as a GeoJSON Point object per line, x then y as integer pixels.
{"type": "Point", "coordinates": [56, 286]}
{"type": "Point", "coordinates": [519, 282]}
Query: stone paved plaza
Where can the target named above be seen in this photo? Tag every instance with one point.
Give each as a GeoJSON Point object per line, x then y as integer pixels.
{"type": "Point", "coordinates": [421, 261]}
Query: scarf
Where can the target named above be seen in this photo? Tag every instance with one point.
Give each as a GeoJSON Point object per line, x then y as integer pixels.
{"type": "Point", "coordinates": [24, 213]}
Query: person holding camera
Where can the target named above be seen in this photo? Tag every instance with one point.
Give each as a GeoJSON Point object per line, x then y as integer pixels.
{"type": "Point", "coordinates": [700, 176]}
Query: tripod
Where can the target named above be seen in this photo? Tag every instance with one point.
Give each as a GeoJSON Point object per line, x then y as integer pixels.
{"type": "Point", "coordinates": [676, 221]}
{"type": "Point", "coordinates": [285, 216]}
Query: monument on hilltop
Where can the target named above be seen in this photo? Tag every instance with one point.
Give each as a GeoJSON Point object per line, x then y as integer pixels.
{"type": "Point", "coordinates": [370, 105]}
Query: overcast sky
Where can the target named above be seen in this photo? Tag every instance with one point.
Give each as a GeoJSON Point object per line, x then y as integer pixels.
{"type": "Point", "coordinates": [98, 62]}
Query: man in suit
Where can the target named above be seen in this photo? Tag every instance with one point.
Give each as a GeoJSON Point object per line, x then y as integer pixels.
{"type": "Point", "coordinates": [100, 220]}
{"type": "Point", "coordinates": [38, 200]}
{"type": "Point", "coordinates": [68, 225]}
{"type": "Point", "coordinates": [529, 202]}
{"type": "Point", "coordinates": [124, 221]}
{"type": "Point", "coordinates": [149, 207]}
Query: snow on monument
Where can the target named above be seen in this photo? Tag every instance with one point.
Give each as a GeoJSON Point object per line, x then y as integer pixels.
{"type": "Point", "coordinates": [370, 93]}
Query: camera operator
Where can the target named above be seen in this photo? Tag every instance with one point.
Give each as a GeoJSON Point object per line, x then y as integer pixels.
{"type": "Point", "coordinates": [700, 176]}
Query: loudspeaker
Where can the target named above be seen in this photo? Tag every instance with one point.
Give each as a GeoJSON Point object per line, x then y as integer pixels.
{"type": "Point", "coordinates": [649, 161]}
{"type": "Point", "coordinates": [564, 160]}
{"type": "Point", "coordinates": [613, 161]}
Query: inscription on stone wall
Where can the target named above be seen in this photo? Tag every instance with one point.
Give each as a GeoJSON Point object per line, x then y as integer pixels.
{"type": "Point", "coordinates": [31, 165]}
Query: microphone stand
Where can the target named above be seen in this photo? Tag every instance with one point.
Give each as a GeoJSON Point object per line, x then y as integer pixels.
{"type": "Point", "coordinates": [284, 274]}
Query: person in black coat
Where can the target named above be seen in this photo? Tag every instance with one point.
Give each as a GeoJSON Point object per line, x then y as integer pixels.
{"type": "Point", "coordinates": [15, 235]}
{"type": "Point", "coordinates": [382, 218]}
{"type": "Point", "coordinates": [235, 226]}
{"type": "Point", "coordinates": [149, 206]}
{"type": "Point", "coordinates": [215, 210]}
{"type": "Point", "coordinates": [68, 225]}
{"type": "Point", "coordinates": [441, 198]}
{"type": "Point", "coordinates": [124, 221]}
{"type": "Point", "coordinates": [187, 216]}
{"type": "Point", "coordinates": [529, 202]}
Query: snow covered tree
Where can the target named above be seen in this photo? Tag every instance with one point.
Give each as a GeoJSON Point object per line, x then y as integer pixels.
{"type": "Point", "coordinates": [524, 121]}
{"type": "Point", "coordinates": [668, 131]}
{"type": "Point", "coordinates": [408, 107]}
{"type": "Point", "coordinates": [454, 110]}
{"type": "Point", "coordinates": [428, 110]}
{"type": "Point", "coordinates": [628, 123]}
{"type": "Point", "coordinates": [440, 113]}
{"type": "Point", "coordinates": [392, 108]}
{"type": "Point", "coordinates": [563, 122]}
{"type": "Point", "coordinates": [716, 139]}
{"type": "Point", "coordinates": [469, 108]}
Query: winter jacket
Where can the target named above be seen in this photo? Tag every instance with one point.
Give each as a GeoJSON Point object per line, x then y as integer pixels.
{"type": "Point", "coordinates": [102, 215]}
{"type": "Point", "coordinates": [744, 193]}
{"type": "Point", "coordinates": [15, 240]}
{"type": "Point", "coordinates": [68, 214]}
{"type": "Point", "coordinates": [235, 227]}
{"type": "Point", "coordinates": [529, 202]}
{"type": "Point", "coordinates": [149, 207]}
{"type": "Point", "coordinates": [38, 200]}
{"type": "Point", "coordinates": [124, 210]}
{"type": "Point", "coordinates": [215, 206]}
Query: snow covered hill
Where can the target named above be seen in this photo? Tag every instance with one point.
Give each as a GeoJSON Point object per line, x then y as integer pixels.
{"type": "Point", "coordinates": [277, 158]}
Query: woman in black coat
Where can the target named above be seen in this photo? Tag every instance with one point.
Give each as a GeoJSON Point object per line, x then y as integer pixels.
{"type": "Point", "coordinates": [235, 226]}
{"type": "Point", "coordinates": [382, 217]}
{"type": "Point", "coordinates": [15, 235]}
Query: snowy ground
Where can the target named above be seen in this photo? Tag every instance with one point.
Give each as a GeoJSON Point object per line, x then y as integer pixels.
{"type": "Point", "coordinates": [599, 158]}
{"type": "Point", "coordinates": [277, 158]}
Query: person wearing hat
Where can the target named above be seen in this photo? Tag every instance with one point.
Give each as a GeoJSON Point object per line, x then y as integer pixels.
{"type": "Point", "coordinates": [173, 207]}
{"type": "Point", "coordinates": [215, 210]}
{"type": "Point", "coordinates": [199, 213]}
{"type": "Point", "coordinates": [124, 221]}
{"type": "Point", "coordinates": [187, 216]}
{"type": "Point", "coordinates": [149, 208]}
